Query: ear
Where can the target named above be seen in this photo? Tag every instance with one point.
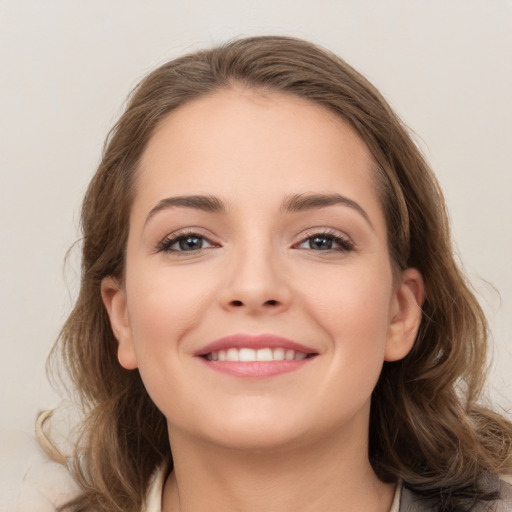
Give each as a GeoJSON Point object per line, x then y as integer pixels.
{"type": "Point", "coordinates": [406, 315]}
{"type": "Point", "coordinates": [114, 298]}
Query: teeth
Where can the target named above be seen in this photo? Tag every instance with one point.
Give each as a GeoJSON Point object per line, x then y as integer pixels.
{"type": "Point", "coordinates": [232, 354]}
{"type": "Point", "coordinates": [246, 354]}
{"type": "Point", "coordinates": [263, 354]}
{"type": "Point", "coordinates": [278, 354]}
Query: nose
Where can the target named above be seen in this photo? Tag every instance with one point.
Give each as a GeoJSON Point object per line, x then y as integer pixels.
{"type": "Point", "coordinates": [257, 283]}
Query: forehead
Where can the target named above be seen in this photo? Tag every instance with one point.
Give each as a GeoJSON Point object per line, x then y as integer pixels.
{"type": "Point", "coordinates": [245, 143]}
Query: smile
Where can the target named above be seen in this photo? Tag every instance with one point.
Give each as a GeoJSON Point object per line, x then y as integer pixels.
{"type": "Point", "coordinates": [256, 356]}
{"type": "Point", "coordinates": [263, 354]}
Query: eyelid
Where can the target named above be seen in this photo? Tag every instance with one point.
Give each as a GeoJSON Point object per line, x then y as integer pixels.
{"type": "Point", "coordinates": [345, 243]}
{"type": "Point", "coordinates": [164, 245]}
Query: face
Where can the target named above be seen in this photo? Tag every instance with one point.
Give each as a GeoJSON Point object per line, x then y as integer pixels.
{"type": "Point", "coordinates": [259, 303]}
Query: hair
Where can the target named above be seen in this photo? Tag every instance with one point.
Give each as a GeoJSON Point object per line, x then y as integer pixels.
{"type": "Point", "coordinates": [426, 426]}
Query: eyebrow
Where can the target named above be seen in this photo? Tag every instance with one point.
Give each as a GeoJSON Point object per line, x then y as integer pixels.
{"type": "Point", "coordinates": [210, 204]}
{"type": "Point", "coordinates": [303, 202]}
{"type": "Point", "coordinates": [293, 203]}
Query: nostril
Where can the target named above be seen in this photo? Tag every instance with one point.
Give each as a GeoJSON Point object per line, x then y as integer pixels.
{"type": "Point", "coordinates": [239, 303]}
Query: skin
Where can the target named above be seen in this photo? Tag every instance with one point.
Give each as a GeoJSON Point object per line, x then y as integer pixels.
{"type": "Point", "coordinates": [296, 441]}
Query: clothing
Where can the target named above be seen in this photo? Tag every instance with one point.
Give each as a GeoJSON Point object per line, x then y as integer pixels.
{"type": "Point", "coordinates": [46, 485]}
{"type": "Point", "coordinates": [411, 502]}
{"type": "Point", "coordinates": [403, 501]}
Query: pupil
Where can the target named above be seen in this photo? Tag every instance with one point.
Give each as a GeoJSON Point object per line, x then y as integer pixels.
{"type": "Point", "coordinates": [190, 243]}
{"type": "Point", "coordinates": [321, 242]}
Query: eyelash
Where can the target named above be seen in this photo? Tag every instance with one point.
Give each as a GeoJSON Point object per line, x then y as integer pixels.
{"type": "Point", "coordinates": [344, 244]}
{"type": "Point", "coordinates": [166, 244]}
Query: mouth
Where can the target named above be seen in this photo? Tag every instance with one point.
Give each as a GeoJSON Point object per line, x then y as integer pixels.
{"type": "Point", "coordinates": [255, 356]}
{"type": "Point", "coordinates": [246, 354]}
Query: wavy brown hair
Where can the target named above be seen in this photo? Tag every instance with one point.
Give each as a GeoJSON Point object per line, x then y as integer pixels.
{"type": "Point", "coordinates": [426, 426]}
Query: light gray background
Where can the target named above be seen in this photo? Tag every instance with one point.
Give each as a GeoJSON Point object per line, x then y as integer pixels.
{"type": "Point", "coordinates": [67, 66]}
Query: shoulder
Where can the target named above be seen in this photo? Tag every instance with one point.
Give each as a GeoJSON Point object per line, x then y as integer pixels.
{"type": "Point", "coordinates": [29, 479]}
{"type": "Point", "coordinates": [505, 502]}
{"type": "Point", "coordinates": [412, 502]}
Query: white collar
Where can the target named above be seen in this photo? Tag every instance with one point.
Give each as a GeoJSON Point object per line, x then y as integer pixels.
{"type": "Point", "coordinates": [153, 502]}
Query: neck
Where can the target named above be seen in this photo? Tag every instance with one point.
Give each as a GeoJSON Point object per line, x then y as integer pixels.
{"type": "Point", "coordinates": [319, 476]}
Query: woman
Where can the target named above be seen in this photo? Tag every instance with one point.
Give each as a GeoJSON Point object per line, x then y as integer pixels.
{"type": "Point", "coordinates": [269, 293]}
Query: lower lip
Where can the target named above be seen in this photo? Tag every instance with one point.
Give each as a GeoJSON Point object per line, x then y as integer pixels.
{"type": "Point", "coordinates": [256, 368]}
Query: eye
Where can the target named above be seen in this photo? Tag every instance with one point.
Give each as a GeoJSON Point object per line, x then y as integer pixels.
{"type": "Point", "coordinates": [185, 242]}
{"type": "Point", "coordinates": [326, 242]}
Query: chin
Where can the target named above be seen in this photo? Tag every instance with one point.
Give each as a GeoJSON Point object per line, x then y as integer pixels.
{"type": "Point", "coordinates": [257, 429]}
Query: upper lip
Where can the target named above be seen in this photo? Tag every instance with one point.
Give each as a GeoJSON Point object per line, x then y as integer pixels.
{"type": "Point", "coordinates": [253, 341]}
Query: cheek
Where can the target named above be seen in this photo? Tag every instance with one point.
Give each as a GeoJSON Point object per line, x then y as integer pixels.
{"type": "Point", "coordinates": [354, 312]}
{"type": "Point", "coordinates": [163, 305]}
{"type": "Point", "coordinates": [352, 302]}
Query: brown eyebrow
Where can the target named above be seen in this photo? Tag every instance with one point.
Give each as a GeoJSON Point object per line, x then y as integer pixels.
{"type": "Point", "coordinates": [205, 203]}
{"type": "Point", "coordinates": [302, 202]}
{"type": "Point", "coordinates": [293, 203]}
